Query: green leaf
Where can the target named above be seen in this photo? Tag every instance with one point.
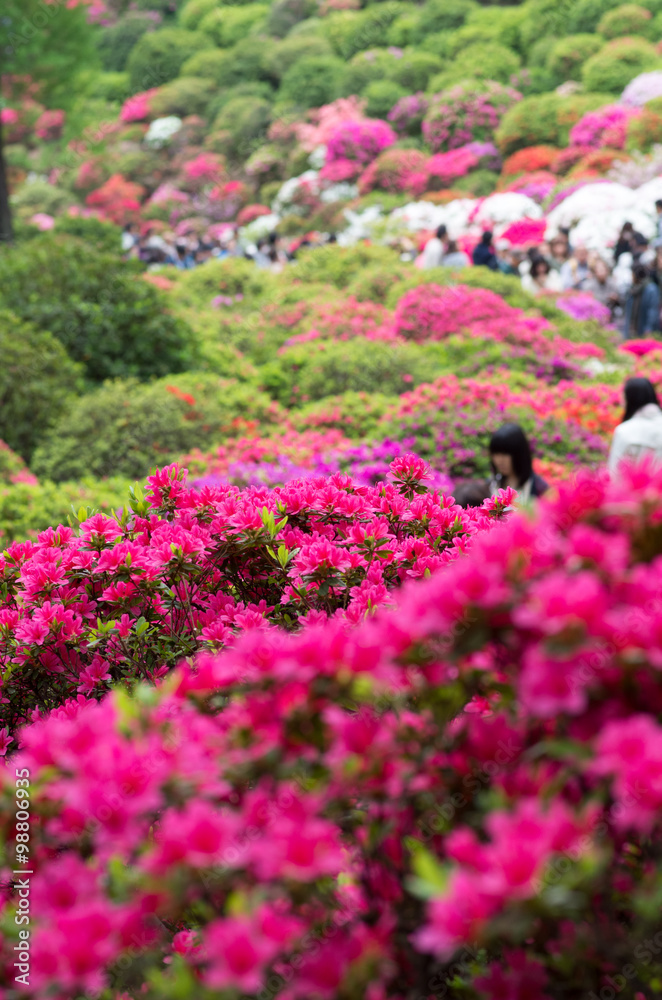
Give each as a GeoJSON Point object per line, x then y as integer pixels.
{"type": "Point", "coordinates": [432, 878]}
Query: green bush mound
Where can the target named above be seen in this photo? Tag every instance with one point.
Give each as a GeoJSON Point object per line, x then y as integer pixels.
{"type": "Point", "coordinates": [304, 373]}
{"type": "Point", "coordinates": [116, 43]}
{"type": "Point", "coordinates": [99, 307]}
{"type": "Point", "coordinates": [612, 68]}
{"type": "Point", "coordinates": [545, 119]}
{"type": "Point", "coordinates": [567, 56]}
{"type": "Point", "coordinates": [26, 508]}
{"type": "Point", "coordinates": [356, 414]}
{"type": "Point", "coordinates": [158, 56]}
{"type": "Point", "coordinates": [37, 379]}
{"type": "Point", "coordinates": [126, 428]}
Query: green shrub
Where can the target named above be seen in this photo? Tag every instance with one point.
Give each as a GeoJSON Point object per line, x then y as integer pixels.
{"type": "Point", "coordinates": [442, 15]}
{"type": "Point", "coordinates": [380, 97]}
{"type": "Point", "coordinates": [40, 196]}
{"type": "Point", "coordinates": [504, 24]}
{"type": "Point", "coordinates": [630, 19]}
{"type": "Point", "coordinates": [242, 64]}
{"type": "Point", "coordinates": [339, 28]}
{"type": "Point", "coordinates": [314, 371]}
{"type": "Point", "coordinates": [285, 14]}
{"type": "Point", "coordinates": [374, 282]}
{"type": "Point", "coordinates": [187, 95]}
{"type": "Point", "coordinates": [414, 69]}
{"type": "Point", "coordinates": [356, 414]}
{"type": "Point", "coordinates": [567, 56]}
{"type": "Point", "coordinates": [227, 276]}
{"type": "Point", "coordinates": [480, 62]}
{"type": "Point", "coordinates": [312, 82]}
{"type": "Point", "coordinates": [544, 119]}
{"type": "Point", "coordinates": [99, 307]}
{"type": "Point", "coordinates": [159, 56]}
{"type": "Point", "coordinates": [370, 29]}
{"type": "Point", "coordinates": [374, 64]}
{"type": "Point", "coordinates": [37, 378]}
{"type": "Point", "coordinates": [116, 41]}
{"type": "Point", "coordinates": [126, 428]}
{"type": "Point", "coordinates": [279, 56]}
{"type": "Point", "coordinates": [193, 12]}
{"type": "Point", "coordinates": [338, 266]}
{"type": "Point", "coordinates": [27, 509]}
{"type": "Point", "coordinates": [211, 64]}
{"type": "Point", "coordinates": [246, 120]}
{"type": "Point", "coordinates": [404, 29]}
{"type": "Point", "coordinates": [612, 68]}
{"type": "Point", "coordinates": [105, 237]}
{"type": "Point", "coordinates": [111, 86]}
{"type": "Point", "coordinates": [479, 183]}
{"type": "Point", "coordinates": [585, 15]}
{"type": "Point", "coordinates": [228, 25]}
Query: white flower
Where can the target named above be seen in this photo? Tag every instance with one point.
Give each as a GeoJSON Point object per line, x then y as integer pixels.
{"type": "Point", "coordinates": [507, 207]}
{"type": "Point", "coordinates": [161, 131]}
{"type": "Point", "coordinates": [290, 187]}
{"type": "Point", "coordinates": [317, 157]}
{"type": "Point", "coordinates": [258, 228]}
{"type": "Point", "coordinates": [339, 192]}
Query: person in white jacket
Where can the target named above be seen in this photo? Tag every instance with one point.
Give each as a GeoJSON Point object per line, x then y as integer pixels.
{"type": "Point", "coordinates": [639, 434]}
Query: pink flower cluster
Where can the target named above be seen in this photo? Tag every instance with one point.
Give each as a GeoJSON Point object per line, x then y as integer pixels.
{"type": "Point", "coordinates": [137, 108]}
{"type": "Point", "coordinates": [466, 112]}
{"type": "Point", "coordinates": [49, 125]}
{"type": "Point", "coordinates": [605, 127]}
{"type": "Point", "coordinates": [434, 312]}
{"type": "Point", "coordinates": [351, 811]}
{"type": "Point", "coordinates": [129, 596]}
{"type": "Point", "coordinates": [359, 141]}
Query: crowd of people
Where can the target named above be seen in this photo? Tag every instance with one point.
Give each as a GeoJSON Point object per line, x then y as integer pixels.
{"type": "Point", "coordinates": [628, 284]}
{"type": "Point", "coordinates": [157, 250]}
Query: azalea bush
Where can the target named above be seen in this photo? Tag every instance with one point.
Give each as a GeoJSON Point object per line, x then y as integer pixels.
{"type": "Point", "coordinates": [125, 596]}
{"type": "Point", "coordinates": [458, 794]}
{"type": "Point", "coordinates": [465, 113]}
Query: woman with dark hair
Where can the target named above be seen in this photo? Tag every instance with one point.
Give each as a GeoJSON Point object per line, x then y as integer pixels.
{"type": "Point", "coordinates": [512, 464]}
{"type": "Point", "coordinates": [640, 432]}
{"type": "Point", "coordinates": [484, 255]}
{"type": "Point", "coordinates": [642, 305]}
{"type": "Point", "coordinates": [541, 278]}
{"type": "Point", "coordinates": [624, 241]}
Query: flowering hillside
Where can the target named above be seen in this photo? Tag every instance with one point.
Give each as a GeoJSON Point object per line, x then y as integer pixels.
{"type": "Point", "coordinates": [202, 116]}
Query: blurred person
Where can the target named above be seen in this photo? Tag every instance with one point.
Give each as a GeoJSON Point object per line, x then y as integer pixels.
{"type": "Point", "coordinates": [559, 252]}
{"type": "Point", "coordinates": [656, 268]}
{"type": "Point", "coordinates": [658, 210]}
{"type": "Point", "coordinates": [184, 260]}
{"type": "Point", "coordinates": [623, 241]}
{"type": "Point", "coordinates": [471, 493]}
{"type": "Point", "coordinates": [512, 463]}
{"type": "Point", "coordinates": [504, 257]}
{"type": "Point", "coordinates": [541, 278]}
{"type": "Point", "coordinates": [639, 434]}
{"type": "Point", "coordinates": [261, 255]}
{"type": "Point", "coordinates": [641, 314]}
{"type": "Point", "coordinates": [483, 255]}
{"type": "Point", "coordinates": [129, 237]}
{"type": "Point", "coordinates": [601, 285]}
{"type": "Point", "coordinates": [434, 249]}
{"type": "Point", "coordinates": [575, 272]}
{"type": "Point", "coordinates": [454, 257]}
{"type": "Point", "coordinates": [642, 252]}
